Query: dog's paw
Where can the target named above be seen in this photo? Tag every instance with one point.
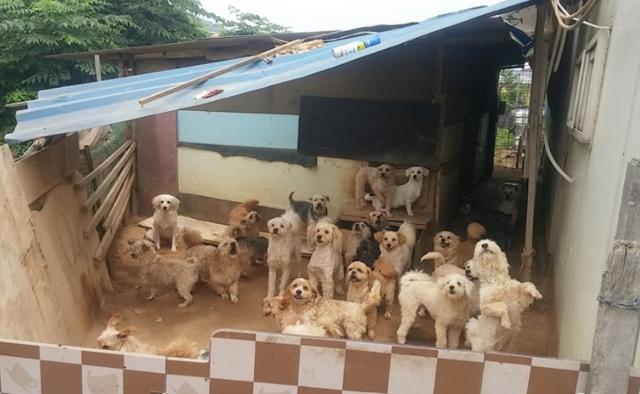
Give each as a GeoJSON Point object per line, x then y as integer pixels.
{"type": "Point", "coordinates": [224, 296]}
{"type": "Point", "coordinates": [184, 304]}
{"type": "Point", "coordinates": [371, 334]}
{"type": "Point", "coordinates": [505, 323]}
{"type": "Point", "coordinates": [402, 340]}
{"type": "Point", "coordinates": [440, 344]}
{"type": "Point", "coordinates": [174, 249]}
{"type": "Point", "coordinates": [339, 291]}
{"type": "Point", "coordinates": [234, 299]}
{"type": "Point", "coordinates": [387, 315]}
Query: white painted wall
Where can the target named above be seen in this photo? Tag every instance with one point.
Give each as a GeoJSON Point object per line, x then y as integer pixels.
{"type": "Point", "coordinates": [585, 213]}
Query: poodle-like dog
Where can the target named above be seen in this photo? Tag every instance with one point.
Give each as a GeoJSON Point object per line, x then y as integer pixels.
{"type": "Point", "coordinates": [202, 254]}
{"type": "Point", "coordinates": [351, 317]}
{"type": "Point", "coordinates": [380, 180]}
{"type": "Point", "coordinates": [284, 249]}
{"type": "Point", "coordinates": [113, 338]}
{"type": "Point", "coordinates": [377, 221]}
{"type": "Point", "coordinates": [326, 261]}
{"type": "Point", "coordinates": [359, 232]}
{"type": "Point", "coordinates": [280, 309]}
{"type": "Point", "coordinates": [492, 267]}
{"type": "Point", "coordinates": [405, 194]}
{"type": "Point", "coordinates": [360, 279]}
{"type": "Point", "coordinates": [225, 270]}
{"type": "Point", "coordinates": [446, 300]}
{"type": "Point", "coordinates": [157, 270]}
{"type": "Point", "coordinates": [396, 247]}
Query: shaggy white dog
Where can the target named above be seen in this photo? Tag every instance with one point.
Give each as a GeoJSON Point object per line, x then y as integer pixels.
{"type": "Point", "coordinates": [284, 249]}
{"type": "Point", "coordinates": [446, 300]}
{"type": "Point", "coordinates": [305, 329]}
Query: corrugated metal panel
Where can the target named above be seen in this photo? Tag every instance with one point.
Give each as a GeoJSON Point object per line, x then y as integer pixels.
{"type": "Point", "coordinates": [72, 108]}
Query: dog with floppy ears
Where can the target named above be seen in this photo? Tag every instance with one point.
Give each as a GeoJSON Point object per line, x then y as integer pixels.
{"type": "Point", "coordinates": [396, 247]}
{"type": "Point", "coordinates": [285, 249]}
{"type": "Point", "coordinates": [165, 224]}
{"type": "Point", "coordinates": [310, 212]}
{"type": "Point", "coordinates": [380, 180]}
{"type": "Point", "coordinates": [326, 261]}
{"type": "Point", "coordinates": [405, 194]}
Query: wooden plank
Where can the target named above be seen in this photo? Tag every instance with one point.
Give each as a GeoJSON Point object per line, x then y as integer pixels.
{"type": "Point", "coordinates": [218, 72]}
{"type": "Point", "coordinates": [421, 219]}
{"type": "Point", "coordinates": [103, 187]}
{"type": "Point", "coordinates": [104, 165]}
{"type": "Point", "coordinates": [618, 319]}
{"type": "Point", "coordinates": [43, 170]}
{"type": "Point", "coordinates": [111, 220]}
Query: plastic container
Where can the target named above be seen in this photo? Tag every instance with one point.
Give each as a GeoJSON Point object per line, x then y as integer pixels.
{"type": "Point", "coordinates": [355, 46]}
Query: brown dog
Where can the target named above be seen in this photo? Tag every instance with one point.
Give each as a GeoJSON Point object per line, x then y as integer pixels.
{"type": "Point", "coordinates": [243, 219]}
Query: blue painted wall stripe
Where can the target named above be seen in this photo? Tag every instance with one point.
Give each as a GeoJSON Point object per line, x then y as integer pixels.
{"type": "Point", "coordinates": [238, 129]}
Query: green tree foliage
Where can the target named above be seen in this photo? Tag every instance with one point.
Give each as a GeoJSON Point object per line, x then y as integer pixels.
{"type": "Point", "coordinates": [512, 90]}
{"type": "Point", "coordinates": [247, 23]}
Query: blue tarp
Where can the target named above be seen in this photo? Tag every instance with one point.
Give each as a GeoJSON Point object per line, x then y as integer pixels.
{"type": "Point", "coordinates": [72, 108]}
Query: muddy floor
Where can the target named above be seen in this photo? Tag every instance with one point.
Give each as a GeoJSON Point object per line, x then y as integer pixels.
{"type": "Point", "coordinates": [160, 320]}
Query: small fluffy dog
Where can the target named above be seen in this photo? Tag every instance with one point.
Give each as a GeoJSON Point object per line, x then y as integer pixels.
{"type": "Point", "coordinates": [359, 232]}
{"type": "Point", "coordinates": [446, 300]}
{"type": "Point", "coordinates": [360, 279]}
{"type": "Point", "coordinates": [307, 303]}
{"type": "Point", "coordinates": [446, 243]}
{"type": "Point", "coordinates": [475, 231]}
{"type": "Point", "coordinates": [202, 254]}
{"type": "Point", "coordinates": [380, 180]}
{"type": "Point", "coordinates": [485, 333]}
{"type": "Point", "coordinates": [225, 271]}
{"type": "Point", "coordinates": [113, 338]}
{"type": "Point", "coordinates": [509, 203]}
{"type": "Point", "coordinates": [405, 194]}
{"type": "Point", "coordinates": [157, 270]}
{"type": "Point", "coordinates": [493, 270]}
{"type": "Point", "coordinates": [396, 247]}
{"type": "Point", "coordinates": [284, 249]}
{"type": "Point", "coordinates": [165, 220]}
{"type": "Point", "coordinates": [326, 260]}
{"type": "Point", "coordinates": [377, 220]}
{"type": "Point", "coordinates": [310, 212]}
{"type": "Point", "coordinates": [280, 308]}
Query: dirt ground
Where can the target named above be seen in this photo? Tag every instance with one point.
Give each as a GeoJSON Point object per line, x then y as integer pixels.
{"type": "Point", "coordinates": [160, 320]}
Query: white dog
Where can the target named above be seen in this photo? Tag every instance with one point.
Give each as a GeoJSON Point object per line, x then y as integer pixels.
{"type": "Point", "coordinates": [380, 180]}
{"type": "Point", "coordinates": [446, 300]}
{"type": "Point", "coordinates": [396, 247]}
{"type": "Point", "coordinates": [306, 329]}
{"type": "Point", "coordinates": [509, 203]}
{"type": "Point", "coordinates": [492, 267]}
{"type": "Point", "coordinates": [165, 220]}
{"type": "Point", "coordinates": [284, 248]}
{"type": "Point", "coordinates": [326, 260]}
{"type": "Point", "coordinates": [406, 194]}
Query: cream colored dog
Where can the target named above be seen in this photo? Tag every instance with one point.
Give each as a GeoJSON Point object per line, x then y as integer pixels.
{"type": "Point", "coordinates": [360, 279]}
{"type": "Point", "coordinates": [225, 270]}
{"type": "Point", "coordinates": [380, 180]}
{"type": "Point", "coordinates": [493, 270]}
{"type": "Point", "coordinates": [326, 260]}
{"type": "Point", "coordinates": [113, 338]}
{"type": "Point", "coordinates": [446, 300]}
{"type": "Point", "coordinates": [284, 249]}
{"type": "Point", "coordinates": [405, 194]}
{"type": "Point", "coordinates": [157, 270]}
{"type": "Point", "coordinates": [165, 220]}
{"type": "Point", "coordinates": [396, 247]}
{"type": "Point", "coordinates": [305, 300]}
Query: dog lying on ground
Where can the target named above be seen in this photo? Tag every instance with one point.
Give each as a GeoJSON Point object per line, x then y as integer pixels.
{"type": "Point", "coordinates": [446, 300]}
{"type": "Point", "coordinates": [279, 308]}
{"type": "Point", "coordinates": [284, 249]}
{"type": "Point", "coordinates": [157, 270]}
{"type": "Point", "coordinates": [380, 180]}
{"type": "Point", "coordinates": [113, 338]}
{"type": "Point", "coordinates": [225, 271]}
{"type": "Point", "coordinates": [405, 194]}
{"type": "Point", "coordinates": [307, 303]}
{"type": "Point", "coordinates": [396, 247]}
{"type": "Point", "coordinates": [360, 279]}
{"type": "Point", "coordinates": [326, 261]}
{"type": "Point", "coordinates": [359, 232]}
{"type": "Point", "coordinates": [310, 213]}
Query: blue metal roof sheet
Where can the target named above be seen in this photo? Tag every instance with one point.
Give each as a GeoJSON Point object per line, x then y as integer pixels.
{"type": "Point", "coordinates": [77, 107]}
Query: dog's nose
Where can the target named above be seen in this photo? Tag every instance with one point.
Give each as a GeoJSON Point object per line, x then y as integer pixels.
{"type": "Point", "coordinates": [164, 207]}
{"type": "Point", "coordinates": [451, 287]}
{"type": "Point", "coordinates": [298, 292]}
{"type": "Point", "coordinates": [467, 272]}
{"type": "Point", "coordinates": [275, 231]}
{"type": "Point", "coordinates": [319, 237]}
{"type": "Point", "coordinates": [485, 245]}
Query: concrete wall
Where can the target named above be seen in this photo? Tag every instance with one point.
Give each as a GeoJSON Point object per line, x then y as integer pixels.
{"type": "Point", "coordinates": [584, 213]}
{"type": "Point", "coordinates": [49, 285]}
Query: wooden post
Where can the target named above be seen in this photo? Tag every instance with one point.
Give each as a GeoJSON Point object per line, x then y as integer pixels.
{"type": "Point", "coordinates": [96, 61]}
{"type": "Point", "coordinates": [618, 320]}
{"type": "Point", "coordinates": [538, 88]}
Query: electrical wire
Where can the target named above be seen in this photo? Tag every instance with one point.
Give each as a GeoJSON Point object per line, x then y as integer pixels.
{"type": "Point", "coordinates": [564, 10]}
{"type": "Point", "coordinates": [571, 21]}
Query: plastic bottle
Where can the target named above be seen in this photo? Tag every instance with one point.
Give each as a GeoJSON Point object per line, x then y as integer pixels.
{"type": "Point", "coordinates": [355, 46]}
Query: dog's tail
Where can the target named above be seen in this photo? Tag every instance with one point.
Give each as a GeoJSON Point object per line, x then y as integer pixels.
{"type": "Point", "coordinates": [475, 231]}
{"type": "Point", "coordinates": [292, 217]}
{"type": "Point", "coordinates": [291, 197]}
{"type": "Point", "coordinates": [250, 205]}
{"type": "Point", "coordinates": [437, 256]}
{"type": "Point", "coordinates": [373, 297]}
{"type": "Point", "coordinates": [181, 347]}
{"type": "Point", "coordinates": [360, 186]}
{"type": "Point", "coordinates": [191, 237]}
{"type": "Point", "coordinates": [409, 233]}
{"type": "Point", "coordinates": [413, 276]}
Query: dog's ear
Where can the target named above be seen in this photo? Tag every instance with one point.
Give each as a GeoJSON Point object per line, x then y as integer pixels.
{"type": "Point", "coordinates": [326, 198]}
{"type": "Point", "coordinates": [155, 202]}
{"type": "Point", "coordinates": [131, 241]}
{"type": "Point", "coordinates": [407, 172]}
{"type": "Point", "coordinates": [337, 239]}
{"type": "Point", "coordinates": [125, 332]}
{"type": "Point", "coordinates": [115, 319]}
{"type": "Point", "coordinates": [315, 294]}
{"type": "Point", "coordinates": [175, 201]}
{"type": "Point", "coordinates": [378, 236]}
{"type": "Point", "coordinates": [401, 238]}
{"type": "Point", "coordinates": [284, 303]}
{"type": "Point", "coordinates": [442, 283]}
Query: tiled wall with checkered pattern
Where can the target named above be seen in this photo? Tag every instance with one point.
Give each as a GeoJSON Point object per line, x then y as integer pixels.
{"type": "Point", "coordinates": [247, 362]}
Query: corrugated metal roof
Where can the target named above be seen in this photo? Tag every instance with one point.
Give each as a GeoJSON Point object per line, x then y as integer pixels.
{"type": "Point", "coordinates": [78, 107]}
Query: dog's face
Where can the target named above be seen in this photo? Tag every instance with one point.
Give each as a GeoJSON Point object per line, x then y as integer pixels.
{"type": "Point", "coordinates": [510, 191]}
{"type": "Point", "coordinates": [358, 272]}
{"type": "Point", "coordinates": [228, 247]}
{"type": "Point", "coordinates": [140, 247]}
{"type": "Point", "coordinates": [378, 219]}
{"type": "Point", "coordinates": [527, 294]}
{"type": "Point", "coordinates": [486, 247]}
{"type": "Point", "coordinates": [165, 202]}
{"type": "Point", "coordinates": [446, 239]}
{"type": "Point", "coordinates": [251, 218]}
{"type": "Point", "coordinates": [279, 226]}
{"type": "Point", "coordinates": [384, 170]}
{"type": "Point", "coordinates": [326, 233]}
{"type": "Point", "coordinates": [455, 286]}
{"type": "Point", "coordinates": [390, 240]}
{"type": "Point", "coordinates": [361, 230]}
{"type": "Point", "coordinates": [319, 202]}
{"type": "Point", "coordinates": [470, 270]}
{"type": "Point", "coordinates": [416, 173]}
{"type": "Point", "coordinates": [112, 338]}
{"type": "Point", "coordinates": [300, 291]}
